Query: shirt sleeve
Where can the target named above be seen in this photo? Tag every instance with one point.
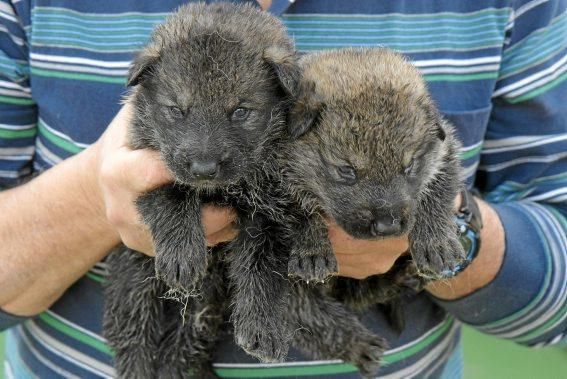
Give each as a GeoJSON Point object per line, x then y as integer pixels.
{"type": "Point", "coordinates": [18, 114]}
{"type": "Point", "coordinates": [523, 173]}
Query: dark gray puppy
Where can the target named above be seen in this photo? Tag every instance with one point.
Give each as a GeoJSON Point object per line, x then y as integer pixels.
{"type": "Point", "coordinates": [374, 155]}
{"type": "Point", "coordinates": [212, 90]}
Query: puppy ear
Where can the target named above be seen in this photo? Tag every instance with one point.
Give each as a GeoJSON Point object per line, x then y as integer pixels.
{"type": "Point", "coordinates": [305, 112]}
{"type": "Point", "coordinates": [284, 63]}
{"type": "Point", "coordinates": [441, 134]}
{"type": "Point", "coordinates": [141, 66]}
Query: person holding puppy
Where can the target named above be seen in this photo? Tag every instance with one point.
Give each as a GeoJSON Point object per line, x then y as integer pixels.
{"type": "Point", "coordinates": [494, 69]}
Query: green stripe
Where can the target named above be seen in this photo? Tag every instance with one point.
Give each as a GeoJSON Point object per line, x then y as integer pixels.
{"type": "Point", "coordinates": [403, 49]}
{"type": "Point", "coordinates": [422, 345]}
{"type": "Point", "coordinates": [75, 333]}
{"type": "Point", "coordinates": [99, 48]}
{"type": "Point", "coordinates": [538, 91]}
{"type": "Point", "coordinates": [15, 134]}
{"type": "Point", "coordinates": [60, 142]}
{"type": "Point", "coordinates": [542, 328]}
{"type": "Point", "coordinates": [470, 153]}
{"type": "Point", "coordinates": [545, 284]}
{"type": "Point", "coordinates": [16, 100]}
{"type": "Point", "coordinates": [276, 372]}
{"type": "Point", "coordinates": [327, 369]}
{"type": "Point", "coordinates": [460, 78]}
{"type": "Point", "coordinates": [96, 278]}
{"type": "Point", "coordinates": [504, 12]}
{"type": "Point", "coordinates": [79, 76]}
{"type": "Point", "coordinates": [122, 16]}
{"type": "Point", "coordinates": [41, 27]}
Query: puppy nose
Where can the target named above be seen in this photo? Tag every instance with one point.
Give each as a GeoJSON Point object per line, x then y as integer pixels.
{"type": "Point", "coordinates": [204, 170]}
{"type": "Point", "coordinates": [385, 225]}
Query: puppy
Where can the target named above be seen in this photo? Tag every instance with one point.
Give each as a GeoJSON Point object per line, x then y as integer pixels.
{"type": "Point", "coordinates": [212, 89]}
{"type": "Point", "coordinates": [374, 155]}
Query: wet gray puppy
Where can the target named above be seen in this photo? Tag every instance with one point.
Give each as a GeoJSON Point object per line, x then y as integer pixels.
{"type": "Point", "coordinates": [212, 89]}
{"type": "Point", "coordinates": [373, 154]}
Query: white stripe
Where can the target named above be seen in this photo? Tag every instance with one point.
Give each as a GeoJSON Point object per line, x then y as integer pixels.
{"type": "Point", "coordinates": [460, 70]}
{"type": "Point", "coordinates": [42, 359]}
{"type": "Point", "coordinates": [17, 40]}
{"type": "Point", "coordinates": [64, 136]}
{"type": "Point", "coordinates": [17, 127]}
{"type": "Point", "coordinates": [24, 151]}
{"type": "Point", "coordinates": [13, 93]}
{"type": "Point", "coordinates": [81, 61]}
{"type": "Point", "coordinates": [431, 356]}
{"type": "Point", "coordinates": [471, 147]}
{"type": "Point", "coordinates": [15, 174]}
{"type": "Point", "coordinates": [75, 326]}
{"type": "Point", "coordinates": [456, 62]}
{"type": "Point", "coordinates": [69, 354]}
{"type": "Point", "coordinates": [468, 171]}
{"type": "Point", "coordinates": [539, 83]}
{"type": "Point", "coordinates": [555, 295]}
{"type": "Point", "coordinates": [6, 9]}
{"type": "Point", "coordinates": [8, 370]}
{"type": "Point", "coordinates": [547, 195]}
{"type": "Point", "coordinates": [8, 16]}
{"type": "Point", "coordinates": [527, 7]}
{"type": "Point", "coordinates": [15, 86]}
{"type": "Point", "coordinates": [527, 80]}
{"type": "Point", "coordinates": [45, 154]}
{"type": "Point", "coordinates": [421, 338]}
{"type": "Point", "coordinates": [519, 143]}
{"type": "Point", "coordinates": [284, 364]}
{"type": "Point", "coordinates": [62, 67]}
{"type": "Point", "coordinates": [501, 142]}
{"type": "Point", "coordinates": [517, 161]}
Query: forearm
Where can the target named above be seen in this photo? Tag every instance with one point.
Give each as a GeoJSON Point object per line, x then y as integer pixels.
{"type": "Point", "coordinates": [484, 267]}
{"type": "Point", "coordinates": [52, 230]}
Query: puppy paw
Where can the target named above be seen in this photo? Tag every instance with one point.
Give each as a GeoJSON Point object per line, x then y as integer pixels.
{"type": "Point", "coordinates": [437, 258]}
{"type": "Point", "coordinates": [367, 354]}
{"type": "Point", "coordinates": [265, 346]}
{"type": "Point", "coordinates": [182, 271]}
{"type": "Point", "coordinates": [314, 266]}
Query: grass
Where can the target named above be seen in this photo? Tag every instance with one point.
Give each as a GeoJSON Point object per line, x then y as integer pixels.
{"type": "Point", "coordinates": [489, 358]}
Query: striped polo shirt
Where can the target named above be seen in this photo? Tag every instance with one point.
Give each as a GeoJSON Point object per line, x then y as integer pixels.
{"type": "Point", "coordinates": [496, 69]}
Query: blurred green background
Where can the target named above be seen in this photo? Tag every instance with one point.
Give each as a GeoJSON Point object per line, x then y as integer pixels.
{"type": "Point", "coordinates": [489, 358]}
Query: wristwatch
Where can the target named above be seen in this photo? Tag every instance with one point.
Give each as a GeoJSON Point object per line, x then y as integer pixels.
{"type": "Point", "coordinates": [469, 224]}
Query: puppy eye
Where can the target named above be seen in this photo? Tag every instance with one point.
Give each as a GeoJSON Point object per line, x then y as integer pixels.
{"type": "Point", "coordinates": [409, 168]}
{"type": "Point", "coordinates": [347, 174]}
{"type": "Point", "coordinates": [175, 112]}
{"type": "Point", "coordinates": [240, 114]}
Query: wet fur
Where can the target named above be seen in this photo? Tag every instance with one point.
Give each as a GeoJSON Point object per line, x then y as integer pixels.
{"type": "Point", "coordinates": [206, 61]}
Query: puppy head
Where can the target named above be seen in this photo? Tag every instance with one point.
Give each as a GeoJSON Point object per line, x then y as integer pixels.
{"type": "Point", "coordinates": [369, 140]}
{"type": "Point", "coordinates": [212, 89]}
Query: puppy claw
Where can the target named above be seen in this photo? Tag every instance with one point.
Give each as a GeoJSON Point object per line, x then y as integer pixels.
{"type": "Point", "coordinates": [437, 258]}
{"type": "Point", "coordinates": [315, 268]}
{"type": "Point", "coordinates": [369, 354]}
{"type": "Point", "coordinates": [264, 347]}
{"type": "Point", "coordinates": [181, 272]}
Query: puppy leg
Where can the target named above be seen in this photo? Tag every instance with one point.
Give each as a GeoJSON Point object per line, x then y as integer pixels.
{"type": "Point", "coordinates": [133, 313]}
{"type": "Point", "coordinates": [193, 327]}
{"type": "Point", "coordinates": [174, 218]}
{"type": "Point", "coordinates": [434, 245]}
{"type": "Point", "coordinates": [257, 269]}
{"type": "Point", "coordinates": [328, 330]}
{"type": "Point", "coordinates": [312, 257]}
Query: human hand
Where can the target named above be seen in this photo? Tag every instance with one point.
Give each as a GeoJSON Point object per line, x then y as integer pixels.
{"type": "Point", "coordinates": [124, 174]}
{"type": "Point", "coordinates": [360, 259]}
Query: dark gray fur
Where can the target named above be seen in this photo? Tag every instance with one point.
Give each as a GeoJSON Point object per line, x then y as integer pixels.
{"type": "Point", "coordinates": [206, 61]}
{"type": "Point", "coordinates": [373, 154]}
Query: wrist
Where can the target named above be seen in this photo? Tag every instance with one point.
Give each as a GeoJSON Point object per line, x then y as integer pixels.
{"type": "Point", "coordinates": [89, 193]}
